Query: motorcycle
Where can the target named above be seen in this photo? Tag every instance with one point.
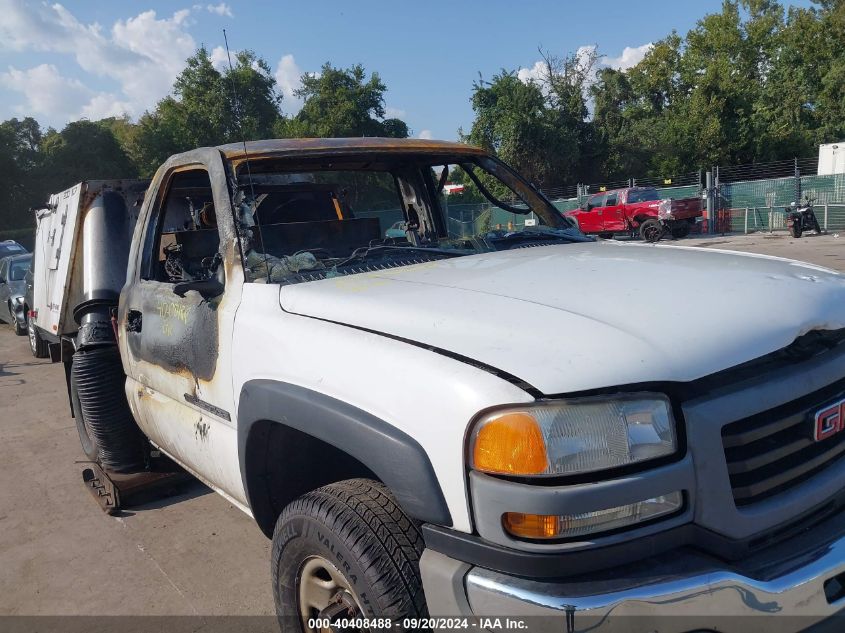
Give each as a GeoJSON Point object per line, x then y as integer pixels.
{"type": "Point", "coordinates": [803, 218]}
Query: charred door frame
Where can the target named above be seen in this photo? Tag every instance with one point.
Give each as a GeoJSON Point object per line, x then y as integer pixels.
{"type": "Point", "coordinates": [189, 345]}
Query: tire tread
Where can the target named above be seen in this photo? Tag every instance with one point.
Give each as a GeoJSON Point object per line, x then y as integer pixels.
{"type": "Point", "coordinates": [385, 541]}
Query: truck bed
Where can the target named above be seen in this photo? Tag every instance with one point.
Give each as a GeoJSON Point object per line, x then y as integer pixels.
{"type": "Point", "coordinates": [686, 208]}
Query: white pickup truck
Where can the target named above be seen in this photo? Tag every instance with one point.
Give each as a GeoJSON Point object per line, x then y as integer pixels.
{"type": "Point", "coordinates": [465, 423]}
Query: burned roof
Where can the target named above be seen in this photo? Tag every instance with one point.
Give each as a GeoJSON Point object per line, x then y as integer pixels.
{"type": "Point", "coordinates": [358, 145]}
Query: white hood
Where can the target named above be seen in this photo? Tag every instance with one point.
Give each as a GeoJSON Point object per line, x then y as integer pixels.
{"type": "Point", "coordinates": [580, 316]}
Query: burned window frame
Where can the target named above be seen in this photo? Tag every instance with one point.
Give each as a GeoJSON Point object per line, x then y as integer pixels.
{"type": "Point", "coordinates": [412, 176]}
{"type": "Point", "coordinates": [148, 270]}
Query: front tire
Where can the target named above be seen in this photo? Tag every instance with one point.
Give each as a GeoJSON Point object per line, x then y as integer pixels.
{"type": "Point", "coordinates": [795, 230]}
{"type": "Point", "coordinates": [346, 550]}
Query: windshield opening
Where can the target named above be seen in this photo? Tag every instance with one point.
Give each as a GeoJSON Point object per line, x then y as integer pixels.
{"type": "Point", "coordinates": [322, 220]}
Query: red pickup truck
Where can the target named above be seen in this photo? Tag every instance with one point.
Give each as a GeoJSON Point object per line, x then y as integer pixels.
{"type": "Point", "coordinates": [637, 209]}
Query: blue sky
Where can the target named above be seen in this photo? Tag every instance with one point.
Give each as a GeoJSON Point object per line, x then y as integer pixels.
{"type": "Point", "coordinates": [59, 62]}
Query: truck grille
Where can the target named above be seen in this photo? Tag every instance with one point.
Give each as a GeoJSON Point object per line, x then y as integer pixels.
{"type": "Point", "coordinates": [773, 451]}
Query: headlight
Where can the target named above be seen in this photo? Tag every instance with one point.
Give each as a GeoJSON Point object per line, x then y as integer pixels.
{"type": "Point", "coordinates": [575, 436]}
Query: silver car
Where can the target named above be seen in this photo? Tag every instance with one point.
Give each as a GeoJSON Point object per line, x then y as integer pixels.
{"type": "Point", "coordinates": [12, 287]}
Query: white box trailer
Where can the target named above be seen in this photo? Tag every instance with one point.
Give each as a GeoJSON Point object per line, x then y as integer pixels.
{"type": "Point", "coordinates": [92, 217]}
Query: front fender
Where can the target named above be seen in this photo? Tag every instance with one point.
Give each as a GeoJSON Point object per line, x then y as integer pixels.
{"type": "Point", "coordinates": [394, 456]}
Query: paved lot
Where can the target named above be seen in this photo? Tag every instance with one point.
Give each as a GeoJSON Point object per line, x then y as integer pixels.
{"type": "Point", "coordinates": [59, 554]}
{"type": "Point", "coordinates": [824, 250]}
{"type": "Point", "coordinates": [193, 554]}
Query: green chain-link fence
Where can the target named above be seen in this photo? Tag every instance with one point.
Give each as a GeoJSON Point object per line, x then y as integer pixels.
{"type": "Point", "coordinates": [759, 205]}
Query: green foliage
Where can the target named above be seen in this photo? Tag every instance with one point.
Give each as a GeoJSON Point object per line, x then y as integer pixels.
{"type": "Point", "coordinates": [751, 83]}
{"type": "Point", "coordinates": [82, 150]}
{"type": "Point", "coordinates": [19, 160]}
{"type": "Point", "coordinates": [208, 108]}
{"type": "Point", "coordinates": [341, 103]}
{"type": "Point", "coordinates": [537, 125]}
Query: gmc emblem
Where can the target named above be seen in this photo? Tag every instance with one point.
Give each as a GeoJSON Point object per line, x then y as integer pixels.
{"type": "Point", "coordinates": [829, 421]}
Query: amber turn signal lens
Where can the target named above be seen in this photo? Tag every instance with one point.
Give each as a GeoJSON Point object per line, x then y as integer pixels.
{"type": "Point", "coordinates": [511, 444]}
{"type": "Point", "coordinates": [545, 526]}
{"type": "Point", "coordinates": [532, 525]}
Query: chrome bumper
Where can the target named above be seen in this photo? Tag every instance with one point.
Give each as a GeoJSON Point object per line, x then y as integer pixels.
{"type": "Point", "coordinates": [683, 592]}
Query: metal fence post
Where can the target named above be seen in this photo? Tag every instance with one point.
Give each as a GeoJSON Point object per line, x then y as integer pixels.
{"type": "Point", "coordinates": [825, 217]}
{"type": "Point", "coordinates": [746, 220]}
{"type": "Point", "coordinates": [771, 218]}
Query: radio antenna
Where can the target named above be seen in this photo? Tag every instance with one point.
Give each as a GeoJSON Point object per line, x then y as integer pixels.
{"type": "Point", "coordinates": [239, 121]}
{"type": "Point", "coordinates": [238, 112]}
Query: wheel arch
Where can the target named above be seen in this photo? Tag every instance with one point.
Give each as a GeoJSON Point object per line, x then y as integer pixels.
{"type": "Point", "coordinates": [281, 427]}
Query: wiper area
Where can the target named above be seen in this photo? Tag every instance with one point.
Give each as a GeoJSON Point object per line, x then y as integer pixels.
{"type": "Point", "coordinates": [537, 234]}
{"type": "Point", "coordinates": [365, 252]}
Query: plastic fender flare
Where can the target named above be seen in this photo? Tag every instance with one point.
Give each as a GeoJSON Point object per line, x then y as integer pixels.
{"type": "Point", "coordinates": [393, 455]}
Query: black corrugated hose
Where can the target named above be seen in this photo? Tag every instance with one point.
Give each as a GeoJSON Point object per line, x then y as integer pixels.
{"type": "Point", "coordinates": [98, 378]}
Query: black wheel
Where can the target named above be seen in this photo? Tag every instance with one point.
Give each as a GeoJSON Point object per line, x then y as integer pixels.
{"type": "Point", "coordinates": [680, 231]}
{"type": "Point", "coordinates": [795, 230]}
{"type": "Point", "coordinates": [38, 346]}
{"type": "Point", "coordinates": [817, 227]}
{"type": "Point", "coordinates": [346, 550]}
{"type": "Point", "coordinates": [651, 230]}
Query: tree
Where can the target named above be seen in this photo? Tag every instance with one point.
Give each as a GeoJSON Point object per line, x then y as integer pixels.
{"type": "Point", "coordinates": [81, 151]}
{"type": "Point", "coordinates": [539, 124]}
{"type": "Point", "coordinates": [513, 121]}
{"type": "Point", "coordinates": [614, 124]}
{"type": "Point", "coordinates": [830, 64]}
{"type": "Point", "coordinates": [751, 83]}
{"type": "Point", "coordinates": [342, 103]}
{"type": "Point", "coordinates": [253, 106]}
{"type": "Point", "coordinates": [209, 108]}
{"type": "Point", "coordinates": [19, 159]}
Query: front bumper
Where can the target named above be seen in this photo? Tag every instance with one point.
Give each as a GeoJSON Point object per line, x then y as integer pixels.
{"type": "Point", "coordinates": [682, 590]}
